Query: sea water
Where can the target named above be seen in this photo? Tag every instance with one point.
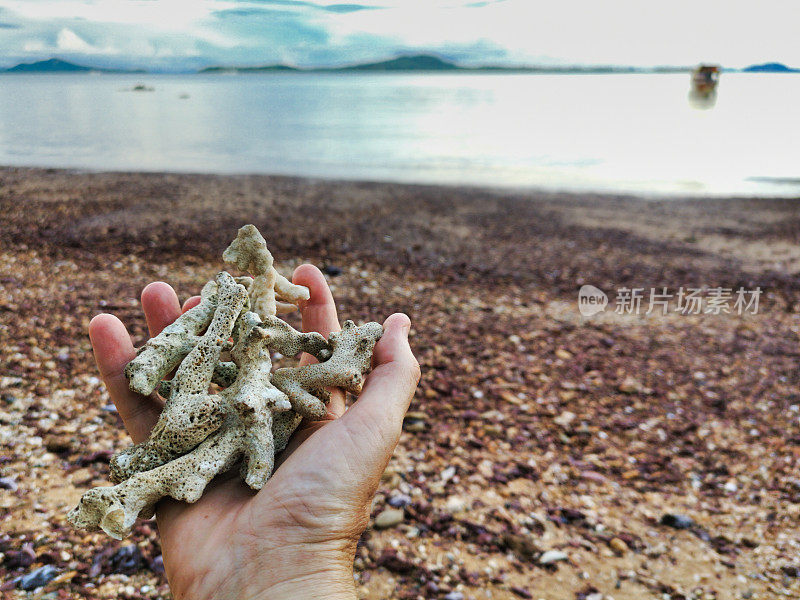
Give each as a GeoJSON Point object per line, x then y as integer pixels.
{"type": "Point", "coordinates": [638, 133]}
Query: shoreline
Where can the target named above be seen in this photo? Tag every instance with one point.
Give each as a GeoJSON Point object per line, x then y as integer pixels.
{"type": "Point", "coordinates": [566, 433]}
{"type": "Point", "coordinates": [777, 188]}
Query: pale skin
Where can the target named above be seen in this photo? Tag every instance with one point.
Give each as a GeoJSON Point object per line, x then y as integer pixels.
{"type": "Point", "coordinates": [296, 538]}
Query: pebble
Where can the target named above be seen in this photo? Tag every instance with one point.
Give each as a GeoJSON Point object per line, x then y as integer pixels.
{"type": "Point", "coordinates": [791, 570]}
{"type": "Point", "coordinates": [455, 504]}
{"type": "Point", "coordinates": [157, 565]}
{"type": "Point", "coordinates": [389, 517]}
{"type": "Point", "coordinates": [552, 556]}
{"type": "Point", "coordinates": [523, 546]}
{"type": "Point", "coordinates": [20, 559]}
{"type": "Point", "coordinates": [564, 419]}
{"type": "Point", "coordinates": [454, 596]}
{"type": "Point", "coordinates": [399, 500]}
{"type": "Point", "coordinates": [38, 578]}
{"type": "Point", "coordinates": [8, 483]}
{"type": "Point", "coordinates": [448, 473]}
{"type": "Point", "coordinates": [593, 476]}
{"type": "Point", "coordinates": [677, 521]}
{"type": "Point", "coordinates": [332, 270]}
{"type": "Point", "coordinates": [493, 429]}
{"type": "Point", "coordinates": [128, 559]}
{"type": "Point", "coordinates": [415, 422]}
{"type": "Point", "coordinates": [618, 545]}
{"type": "Point", "coordinates": [630, 386]}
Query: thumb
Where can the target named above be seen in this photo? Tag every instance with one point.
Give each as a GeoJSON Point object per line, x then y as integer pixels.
{"type": "Point", "coordinates": [375, 421]}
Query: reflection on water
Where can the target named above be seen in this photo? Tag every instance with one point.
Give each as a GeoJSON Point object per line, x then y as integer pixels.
{"type": "Point", "coordinates": [702, 100]}
{"type": "Point", "coordinates": [607, 132]}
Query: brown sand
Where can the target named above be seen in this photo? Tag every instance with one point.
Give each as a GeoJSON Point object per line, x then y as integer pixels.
{"type": "Point", "coordinates": [536, 430]}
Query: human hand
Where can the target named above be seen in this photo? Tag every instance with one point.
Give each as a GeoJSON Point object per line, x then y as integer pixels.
{"type": "Point", "coordinates": [296, 537]}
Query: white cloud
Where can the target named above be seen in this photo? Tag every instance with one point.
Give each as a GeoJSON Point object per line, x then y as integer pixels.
{"type": "Point", "coordinates": [69, 41]}
{"type": "Point", "coordinates": [517, 31]}
{"type": "Point", "coordinates": [159, 14]}
{"type": "Point", "coordinates": [34, 46]}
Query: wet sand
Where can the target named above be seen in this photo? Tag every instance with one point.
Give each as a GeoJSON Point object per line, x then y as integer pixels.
{"type": "Point", "coordinates": [534, 429]}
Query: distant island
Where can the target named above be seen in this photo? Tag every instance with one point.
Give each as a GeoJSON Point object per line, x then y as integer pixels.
{"type": "Point", "coordinates": [432, 63]}
{"type": "Point", "coordinates": [48, 66]}
{"type": "Point", "coordinates": [423, 63]}
{"type": "Point", "coordinates": [56, 65]}
{"type": "Point", "coordinates": [772, 67]}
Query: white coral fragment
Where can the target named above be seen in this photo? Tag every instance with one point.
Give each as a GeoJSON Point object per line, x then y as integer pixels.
{"type": "Point", "coordinates": [163, 353]}
{"type": "Point", "coordinates": [200, 433]}
{"type": "Point", "coordinates": [269, 290]}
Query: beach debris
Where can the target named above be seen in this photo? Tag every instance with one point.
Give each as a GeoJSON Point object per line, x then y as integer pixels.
{"type": "Point", "coordinates": [199, 433]}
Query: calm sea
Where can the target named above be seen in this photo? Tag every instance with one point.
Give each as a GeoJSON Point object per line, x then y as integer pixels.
{"type": "Point", "coordinates": [633, 133]}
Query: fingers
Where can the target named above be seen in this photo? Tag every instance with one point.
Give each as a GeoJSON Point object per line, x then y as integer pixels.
{"type": "Point", "coordinates": [190, 303]}
{"type": "Point", "coordinates": [319, 311]}
{"type": "Point", "coordinates": [319, 314]}
{"type": "Point", "coordinates": [160, 305]}
{"type": "Point", "coordinates": [113, 350]}
{"type": "Point", "coordinates": [376, 419]}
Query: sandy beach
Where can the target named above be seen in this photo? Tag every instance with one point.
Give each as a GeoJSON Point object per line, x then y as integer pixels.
{"type": "Point", "coordinates": [546, 455]}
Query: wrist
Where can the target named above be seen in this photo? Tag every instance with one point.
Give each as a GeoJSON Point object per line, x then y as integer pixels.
{"type": "Point", "coordinates": [305, 571]}
{"type": "Point", "coordinates": [327, 585]}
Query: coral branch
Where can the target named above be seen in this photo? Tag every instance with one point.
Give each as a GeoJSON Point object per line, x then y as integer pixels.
{"type": "Point", "coordinates": [249, 253]}
{"type": "Point", "coordinates": [159, 356]}
{"type": "Point", "coordinates": [115, 509]}
{"type": "Point", "coordinates": [191, 413]}
{"type": "Point", "coordinates": [351, 353]}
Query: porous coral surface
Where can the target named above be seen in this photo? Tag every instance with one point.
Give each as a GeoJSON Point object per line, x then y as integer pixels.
{"type": "Point", "coordinates": [201, 434]}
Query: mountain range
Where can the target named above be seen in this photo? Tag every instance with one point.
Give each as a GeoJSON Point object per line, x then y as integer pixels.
{"type": "Point", "coordinates": [56, 65]}
{"type": "Point", "coordinates": [417, 62]}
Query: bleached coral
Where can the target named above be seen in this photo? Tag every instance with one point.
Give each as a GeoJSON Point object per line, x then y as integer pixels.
{"type": "Point", "coordinates": [201, 434]}
{"type": "Point", "coordinates": [270, 292]}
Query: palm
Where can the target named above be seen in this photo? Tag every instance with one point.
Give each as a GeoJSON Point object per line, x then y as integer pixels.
{"type": "Point", "coordinates": [318, 495]}
{"type": "Point", "coordinates": [306, 499]}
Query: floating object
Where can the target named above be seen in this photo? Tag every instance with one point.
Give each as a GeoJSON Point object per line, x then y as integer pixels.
{"type": "Point", "coordinates": [703, 92]}
{"type": "Point", "coordinates": [705, 79]}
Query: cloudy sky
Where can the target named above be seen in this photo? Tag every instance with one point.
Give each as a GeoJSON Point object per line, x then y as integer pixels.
{"type": "Point", "coordinates": [187, 34]}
